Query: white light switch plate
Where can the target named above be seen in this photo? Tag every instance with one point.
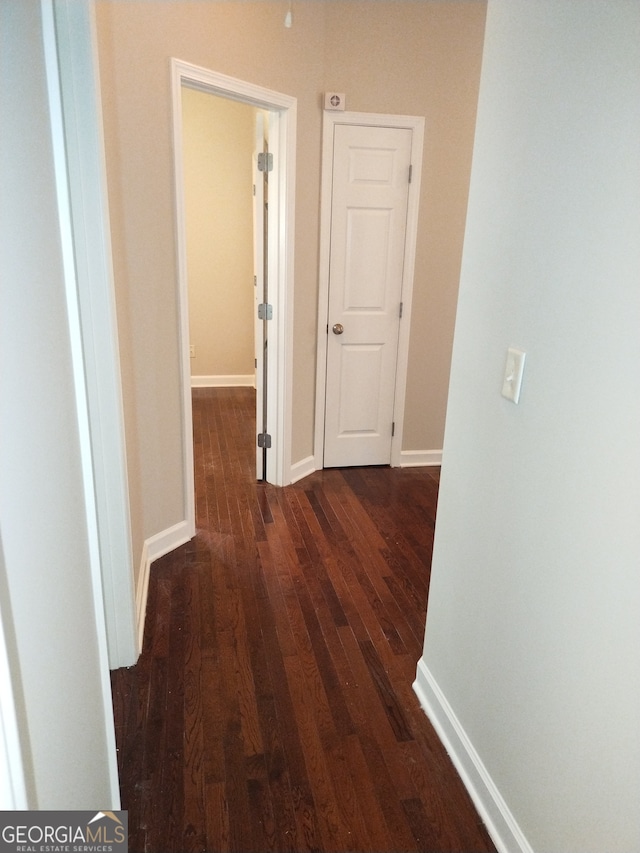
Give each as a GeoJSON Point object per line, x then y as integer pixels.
{"type": "Point", "coordinates": [513, 374]}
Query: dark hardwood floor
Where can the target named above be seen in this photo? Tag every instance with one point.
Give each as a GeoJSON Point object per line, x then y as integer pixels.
{"type": "Point", "coordinates": [272, 706]}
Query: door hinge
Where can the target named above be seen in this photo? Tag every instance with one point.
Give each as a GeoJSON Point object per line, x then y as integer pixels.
{"type": "Point", "coordinates": [393, 429]}
{"type": "Point", "coordinates": [401, 310]}
{"type": "Point", "coordinates": [410, 172]}
{"type": "Point", "coordinates": [264, 440]}
{"type": "Point", "coordinates": [265, 161]}
{"type": "Point", "coordinates": [265, 311]}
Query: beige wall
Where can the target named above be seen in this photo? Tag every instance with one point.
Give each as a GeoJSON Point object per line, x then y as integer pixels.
{"type": "Point", "coordinates": [420, 58]}
{"type": "Point", "coordinates": [218, 141]}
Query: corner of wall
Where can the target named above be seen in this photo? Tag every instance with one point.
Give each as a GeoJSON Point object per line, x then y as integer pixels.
{"type": "Point", "coordinates": [303, 468]}
{"type": "Point", "coordinates": [419, 458]}
{"type": "Point", "coordinates": [153, 548]}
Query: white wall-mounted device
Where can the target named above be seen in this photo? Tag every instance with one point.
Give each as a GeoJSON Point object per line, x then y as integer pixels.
{"type": "Point", "coordinates": [334, 100]}
{"type": "Point", "coordinates": [513, 374]}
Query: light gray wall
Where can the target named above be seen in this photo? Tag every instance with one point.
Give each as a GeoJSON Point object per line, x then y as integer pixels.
{"type": "Point", "coordinates": [533, 625]}
{"type": "Point", "coordinates": [54, 640]}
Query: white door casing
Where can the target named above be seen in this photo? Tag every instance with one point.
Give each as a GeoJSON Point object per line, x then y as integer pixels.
{"type": "Point", "coordinates": [258, 279]}
{"type": "Point", "coordinates": [370, 192]}
{"type": "Point", "coordinates": [282, 140]}
{"type": "Point", "coordinates": [73, 40]}
{"type": "Point", "coordinates": [80, 177]}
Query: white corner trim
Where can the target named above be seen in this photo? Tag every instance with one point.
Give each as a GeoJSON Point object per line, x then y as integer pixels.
{"type": "Point", "coordinates": [303, 468]}
{"type": "Point", "coordinates": [419, 458]}
{"type": "Point", "coordinates": [75, 32]}
{"type": "Point", "coordinates": [154, 548]}
{"type": "Point", "coordinates": [142, 592]}
{"type": "Point", "coordinates": [501, 824]}
{"type": "Point", "coordinates": [70, 64]}
{"type": "Point", "coordinates": [239, 381]}
{"type": "Point", "coordinates": [13, 789]}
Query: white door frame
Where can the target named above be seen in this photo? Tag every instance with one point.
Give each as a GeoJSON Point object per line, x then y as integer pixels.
{"type": "Point", "coordinates": [282, 144]}
{"type": "Point", "coordinates": [416, 125]}
{"type": "Point", "coordinates": [258, 276]}
{"type": "Point", "coordinates": [70, 37]}
{"type": "Point", "coordinates": [80, 175]}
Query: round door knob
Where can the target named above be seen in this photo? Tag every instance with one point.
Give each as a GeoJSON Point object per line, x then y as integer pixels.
{"type": "Point", "coordinates": [338, 328]}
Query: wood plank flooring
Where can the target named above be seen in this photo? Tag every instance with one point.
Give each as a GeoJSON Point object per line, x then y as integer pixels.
{"type": "Point", "coordinates": [272, 707]}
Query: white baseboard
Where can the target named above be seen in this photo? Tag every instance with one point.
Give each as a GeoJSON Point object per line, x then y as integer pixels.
{"type": "Point", "coordinates": [501, 824]}
{"type": "Point", "coordinates": [239, 381]}
{"type": "Point", "coordinates": [154, 548]}
{"type": "Point", "coordinates": [419, 458]}
{"type": "Point", "coordinates": [303, 468]}
{"type": "Point", "coordinates": [408, 459]}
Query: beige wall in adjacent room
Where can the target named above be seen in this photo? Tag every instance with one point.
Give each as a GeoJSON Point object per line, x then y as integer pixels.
{"type": "Point", "coordinates": [218, 145]}
{"type": "Point", "coordinates": [417, 58]}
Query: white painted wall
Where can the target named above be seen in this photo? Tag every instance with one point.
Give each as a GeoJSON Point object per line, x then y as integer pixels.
{"type": "Point", "coordinates": [533, 625]}
{"type": "Point", "coordinates": [532, 630]}
{"type": "Point", "coordinates": [55, 638]}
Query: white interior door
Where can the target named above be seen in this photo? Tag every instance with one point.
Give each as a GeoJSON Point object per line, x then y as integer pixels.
{"type": "Point", "coordinates": [370, 191]}
{"type": "Point", "coordinates": [259, 280]}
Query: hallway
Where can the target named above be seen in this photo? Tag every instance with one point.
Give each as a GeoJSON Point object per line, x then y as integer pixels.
{"type": "Point", "coordinates": [272, 707]}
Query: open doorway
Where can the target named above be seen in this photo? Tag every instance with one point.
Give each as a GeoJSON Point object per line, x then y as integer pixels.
{"type": "Point", "coordinates": [278, 372]}
{"type": "Point", "coordinates": [224, 203]}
